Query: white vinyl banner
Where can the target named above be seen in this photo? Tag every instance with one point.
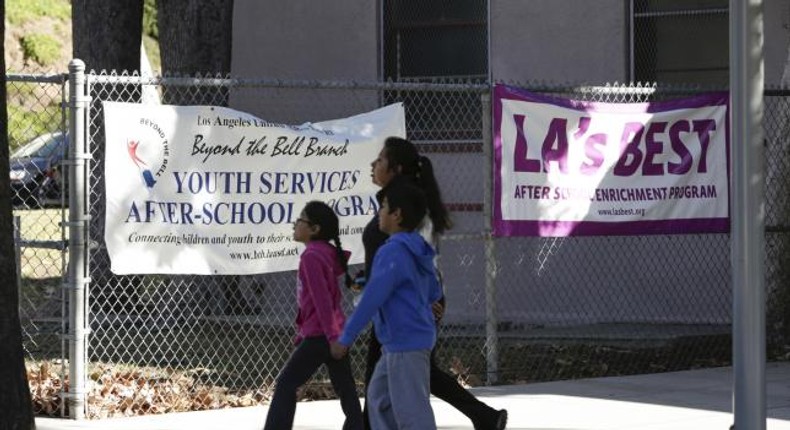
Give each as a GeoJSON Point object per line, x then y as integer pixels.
{"type": "Point", "coordinates": [210, 190]}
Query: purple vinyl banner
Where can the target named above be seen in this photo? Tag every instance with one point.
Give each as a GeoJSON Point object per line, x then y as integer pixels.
{"type": "Point", "coordinates": [570, 168]}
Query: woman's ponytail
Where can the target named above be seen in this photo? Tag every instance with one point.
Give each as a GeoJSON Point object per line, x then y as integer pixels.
{"type": "Point", "coordinates": [436, 210]}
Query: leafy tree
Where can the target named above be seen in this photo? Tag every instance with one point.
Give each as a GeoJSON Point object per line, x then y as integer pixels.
{"type": "Point", "coordinates": [16, 407]}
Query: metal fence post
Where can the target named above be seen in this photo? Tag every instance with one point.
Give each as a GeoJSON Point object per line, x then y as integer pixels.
{"type": "Point", "coordinates": [748, 214]}
{"type": "Point", "coordinates": [77, 279]}
{"type": "Point", "coordinates": [492, 341]}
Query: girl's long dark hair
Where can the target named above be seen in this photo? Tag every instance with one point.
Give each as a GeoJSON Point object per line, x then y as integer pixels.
{"type": "Point", "coordinates": [320, 214]}
{"type": "Point", "coordinates": [403, 153]}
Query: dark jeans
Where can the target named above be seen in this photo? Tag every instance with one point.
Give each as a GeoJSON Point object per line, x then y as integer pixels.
{"type": "Point", "coordinates": [302, 364]}
{"type": "Point", "coordinates": [443, 386]}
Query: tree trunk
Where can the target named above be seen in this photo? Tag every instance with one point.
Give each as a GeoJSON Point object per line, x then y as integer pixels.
{"type": "Point", "coordinates": [107, 34]}
{"type": "Point", "coordinates": [195, 39]}
{"type": "Point", "coordinates": [195, 36]}
{"type": "Point", "coordinates": [16, 407]}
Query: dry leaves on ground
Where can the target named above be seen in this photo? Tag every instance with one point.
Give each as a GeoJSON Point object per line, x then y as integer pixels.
{"type": "Point", "coordinates": [117, 392]}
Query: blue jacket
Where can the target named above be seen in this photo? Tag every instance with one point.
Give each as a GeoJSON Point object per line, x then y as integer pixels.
{"type": "Point", "coordinates": [398, 296]}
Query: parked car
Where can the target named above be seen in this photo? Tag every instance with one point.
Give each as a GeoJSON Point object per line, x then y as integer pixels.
{"type": "Point", "coordinates": [36, 174]}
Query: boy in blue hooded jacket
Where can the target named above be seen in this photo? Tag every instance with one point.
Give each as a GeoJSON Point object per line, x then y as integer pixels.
{"type": "Point", "coordinates": [398, 299]}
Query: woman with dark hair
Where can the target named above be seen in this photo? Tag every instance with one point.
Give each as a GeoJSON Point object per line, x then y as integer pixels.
{"type": "Point", "coordinates": [400, 159]}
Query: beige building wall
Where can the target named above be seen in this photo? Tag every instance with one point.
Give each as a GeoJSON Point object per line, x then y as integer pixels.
{"type": "Point", "coordinates": [567, 41]}
{"type": "Point", "coordinates": [776, 25]}
{"type": "Point", "coordinates": [305, 40]}
{"type": "Point", "coordinates": [559, 41]}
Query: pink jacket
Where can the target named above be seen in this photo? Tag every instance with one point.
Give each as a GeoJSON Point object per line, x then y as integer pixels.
{"type": "Point", "coordinates": [318, 292]}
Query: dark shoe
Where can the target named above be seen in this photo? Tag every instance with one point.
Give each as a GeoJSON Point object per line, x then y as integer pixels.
{"type": "Point", "coordinates": [501, 419]}
{"type": "Point", "coordinates": [496, 421]}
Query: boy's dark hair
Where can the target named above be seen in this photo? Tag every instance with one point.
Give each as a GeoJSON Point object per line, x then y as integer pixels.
{"type": "Point", "coordinates": [322, 215]}
{"type": "Point", "coordinates": [401, 193]}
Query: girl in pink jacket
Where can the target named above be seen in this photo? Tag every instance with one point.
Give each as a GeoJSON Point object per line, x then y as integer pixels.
{"type": "Point", "coordinates": [322, 266]}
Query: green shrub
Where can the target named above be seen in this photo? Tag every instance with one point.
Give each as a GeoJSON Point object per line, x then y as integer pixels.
{"type": "Point", "coordinates": [152, 50]}
{"type": "Point", "coordinates": [149, 19]}
{"type": "Point", "coordinates": [151, 35]}
{"type": "Point", "coordinates": [42, 49]}
{"type": "Point", "coordinates": [21, 11]}
{"type": "Point", "coordinates": [24, 124]}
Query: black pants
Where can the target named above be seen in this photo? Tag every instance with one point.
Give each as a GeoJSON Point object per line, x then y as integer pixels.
{"type": "Point", "coordinates": [302, 364]}
{"type": "Point", "coordinates": [443, 386]}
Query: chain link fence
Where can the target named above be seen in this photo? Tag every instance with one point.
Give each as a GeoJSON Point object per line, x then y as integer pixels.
{"type": "Point", "coordinates": [37, 147]}
{"type": "Point", "coordinates": [518, 309]}
{"type": "Point", "coordinates": [776, 124]}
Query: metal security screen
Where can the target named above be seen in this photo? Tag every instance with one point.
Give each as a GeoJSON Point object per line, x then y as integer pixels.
{"type": "Point", "coordinates": [435, 40]}
{"type": "Point", "coordinates": [680, 42]}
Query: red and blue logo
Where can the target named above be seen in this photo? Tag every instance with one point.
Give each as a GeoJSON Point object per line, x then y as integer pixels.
{"type": "Point", "coordinates": [145, 171]}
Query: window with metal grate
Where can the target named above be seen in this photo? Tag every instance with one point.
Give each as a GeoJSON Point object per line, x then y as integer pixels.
{"type": "Point", "coordinates": [680, 41]}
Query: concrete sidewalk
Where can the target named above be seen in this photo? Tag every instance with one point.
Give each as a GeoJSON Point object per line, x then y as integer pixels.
{"type": "Point", "coordinates": [689, 400]}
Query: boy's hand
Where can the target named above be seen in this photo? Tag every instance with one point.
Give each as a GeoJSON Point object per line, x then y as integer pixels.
{"type": "Point", "coordinates": [438, 310]}
{"type": "Point", "coordinates": [337, 350]}
{"type": "Point", "coordinates": [359, 281]}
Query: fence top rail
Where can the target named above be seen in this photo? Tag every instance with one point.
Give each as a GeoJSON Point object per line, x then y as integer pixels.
{"type": "Point", "coordinates": [284, 83]}
{"type": "Point", "coordinates": [55, 78]}
{"type": "Point", "coordinates": [546, 87]}
{"type": "Point", "coordinates": [635, 88]}
{"type": "Point", "coordinates": [615, 88]}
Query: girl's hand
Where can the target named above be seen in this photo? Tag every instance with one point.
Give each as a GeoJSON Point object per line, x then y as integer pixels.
{"type": "Point", "coordinates": [337, 350]}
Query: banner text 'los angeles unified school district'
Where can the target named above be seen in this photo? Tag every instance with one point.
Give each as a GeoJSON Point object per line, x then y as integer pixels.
{"type": "Point", "coordinates": [564, 167]}
{"type": "Point", "coordinates": [210, 190]}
